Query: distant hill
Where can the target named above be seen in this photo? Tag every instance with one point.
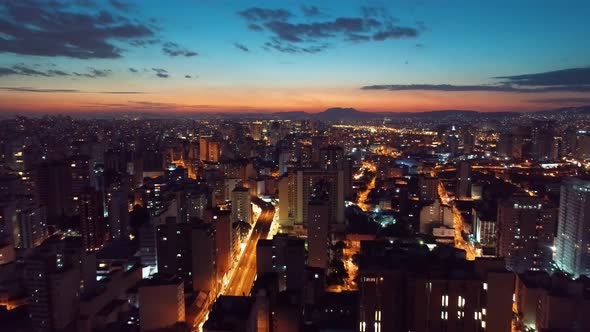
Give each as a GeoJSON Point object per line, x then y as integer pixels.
{"type": "Point", "coordinates": [338, 113]}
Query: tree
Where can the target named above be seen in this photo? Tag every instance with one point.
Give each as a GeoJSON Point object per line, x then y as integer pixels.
{"type": "Point", "coordinates": [336, 272]}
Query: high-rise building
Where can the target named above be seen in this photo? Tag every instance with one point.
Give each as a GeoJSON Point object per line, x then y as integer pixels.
{"type": "Point", "coordinates": [232, 313]}
{"type": "Point", "coordinates": [30, 228]}
{"type": "Point", "coordinates": [161, 302]}
{"type": "Point", "coordinates": [256, 130]}
{"type": "Point", "coordinates": [464, 180]}
{"type": "Point", "coordinates": [543, 139]}
{"type": "Point", "coordinates": [572, 245]}
{"type": "Point", "coordinates": [284, 255]}
{"type": "Point", "coordinates": [53, 282]}
{"type": "Point", "coordinates": [92, 223]}
{"type": "Point", "coordinates": [318, 234]}
{"type": "Point", "coordinates": [118, 214]}
{"type": "Point", "coordinates": [331, 157]}
{"type": "Point", "coordinates": [526, 227]}
{"type": "Point", "coordinates": [221, 221]}
{"type": "Point", "coordinates": [297, 189]}
{"type": "Point", "coordinates": [204, 148]}
{"type": "Point", "coordinates": [432, 291]}
{"type": "Point", "coordinates": [188, 250]}
{"type": "Point", "coordinates": [214, 151]}
{"type": "Point", "coordinates": [241, 207]}
{"type": "Point", "coordinates": [209, 149]}
{"type": "Point", "coordinates": [546, 302]}
{"type": "Point", "coordinates": [428, 188]}
{"type": "Point", "coordinates": [80, 173]}
{"type": "Point", "coordinates": [53, 184]}
{"type": "Point", "coordinates": [582, 146]}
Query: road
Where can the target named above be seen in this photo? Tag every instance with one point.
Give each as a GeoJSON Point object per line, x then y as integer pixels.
{"type": "Point", "coordinates": [458, 225]}
{"type": "Point", "coordinates": [242, 279]}
{"type": "Point", "coordinates": [364, 195]}
{"type": "Point", "coordinates": [243, 274]}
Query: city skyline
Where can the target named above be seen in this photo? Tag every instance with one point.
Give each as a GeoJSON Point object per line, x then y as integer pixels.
{"type": "Point", "coordinates": [246, 56]}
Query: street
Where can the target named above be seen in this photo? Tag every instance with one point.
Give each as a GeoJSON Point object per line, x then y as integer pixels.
{"type": "Point", "coordinates": [243, 274]}
{"type": "Point", "coordinates": [242, 279]}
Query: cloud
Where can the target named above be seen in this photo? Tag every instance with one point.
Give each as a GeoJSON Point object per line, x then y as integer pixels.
{"type": "Point", "coordinates": [294, 49]}
{"type": "Point", "coordinates": [94, 73]}
{"type": "Point", "coordinates": [396, 33]}
{"type": "Point", "coordinates": [35, 70]}
{"type": "Point", "coordinates": [144, 42]}
{"type": "Point", "coordinates": [120, 5]}
{"type": "Point", "coordinates": [564, 77]}
{"type": "Point", "coordinates": [122, 92]}
{"type": "Point", "coordinates": [45, 28]}
{"type": "Point", "coordinates": [188, 76]}
{"type": "Point", "coordinates": [310, 11]}
{"type": "Point", "coordinates": [173, 49]}
{"type": "Point", "coordinates": [565, 80]}
{"type": "Point", "coordinates": [133, 70]}
{"type": "Point", "coordinates": [162, 73]}
{"type": "Point", "coordinates": [290, 35]}
{"type": "Point", "coordinates": [255, 27]}
{"type": "Point", "coordinates": [263, 14]}
{"type": "Point", "coordinates": [465, 88]}
{"type": "Point", "coordinates": [25, 89]}
{"type": "Point", "coordinates": [37, 90]}
{"type": "Point", "coordinates": [242, 47]}
{"type": "Point", "coordinates": [7, 71]}
{"type": "Point", "coordinates": [564, 100]}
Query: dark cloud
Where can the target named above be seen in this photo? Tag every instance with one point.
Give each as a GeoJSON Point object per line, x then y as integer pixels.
{"type": "Point", "coordinates": [289, 35]}
{"type": "Point", "coordinates": [294, 49]}
{"type": "Point", "coordinates": [188, 76]}
{"type": "Point", "coordinates": [36, 70]}
{"type": "Point", "coordinates": [122, 92]}
{"type": "Point", "coordinates": [492, 88]}
{"type": "Point", "coordinates": [419, 45]}
{"type": "Point", "coordinates": [144, 42]}
{"type": "Point", "coordinates": [173, 49]}
{"type": "Point", "coordinates": [357, 38]}
{"type": "Point", "coordinates": [561, 101]}
{"type": "Point", "coordinates": [133, 70]}
{"type": "Point", "coordinates": [242, 47]}
{"type": "Point", "coordinates": [25, 89]}
{"type": "Point", "coordinates": [264, 14]}
{"type": "Point", "coordinates": [7, 71]}
{"type": "Point", "coordinates": [566, 80]}
{"type": "Point", "coordinates": [94, 73]}
{"type": "Point", "coordinates": [310, 11]}
{"type": "Point", "coordinates": [121, 5]}
{"type": "Point", "coordinates": [24, 70]}
{"type": "Point", "coordinates": [162, 73]}
{"type": "Point", "coordinates": [565, 77]}
{"type": "Point", "coordinates": [255, 27]}
{"type": "Point", "coordinates": [28, 89]}
{"type": "Point", "coordinates": [396, 33]}
{"type": "Point", "coordinates": [46, 28]}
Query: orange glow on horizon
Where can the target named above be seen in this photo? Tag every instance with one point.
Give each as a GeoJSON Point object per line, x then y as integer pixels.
{"type": "Point", "coordinates": [211, 99]}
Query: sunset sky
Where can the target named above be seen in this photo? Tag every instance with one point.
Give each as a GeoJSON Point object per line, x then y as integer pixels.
{"type": "Point", "coordinates": [251, 56]}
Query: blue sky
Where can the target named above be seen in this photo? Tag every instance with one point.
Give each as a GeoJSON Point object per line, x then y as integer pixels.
{"type": "Point", "coordinates": [275, 55]}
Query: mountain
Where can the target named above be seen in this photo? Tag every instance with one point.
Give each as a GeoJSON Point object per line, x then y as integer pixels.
{"type": "Point", "coordinates": [339, 113]}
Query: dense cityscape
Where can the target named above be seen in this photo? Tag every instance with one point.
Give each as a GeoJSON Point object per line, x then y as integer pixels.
{"type": "Point", "coordinates": [296, 225]}
{"type": "Point", "coordinates": [294, 166]}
